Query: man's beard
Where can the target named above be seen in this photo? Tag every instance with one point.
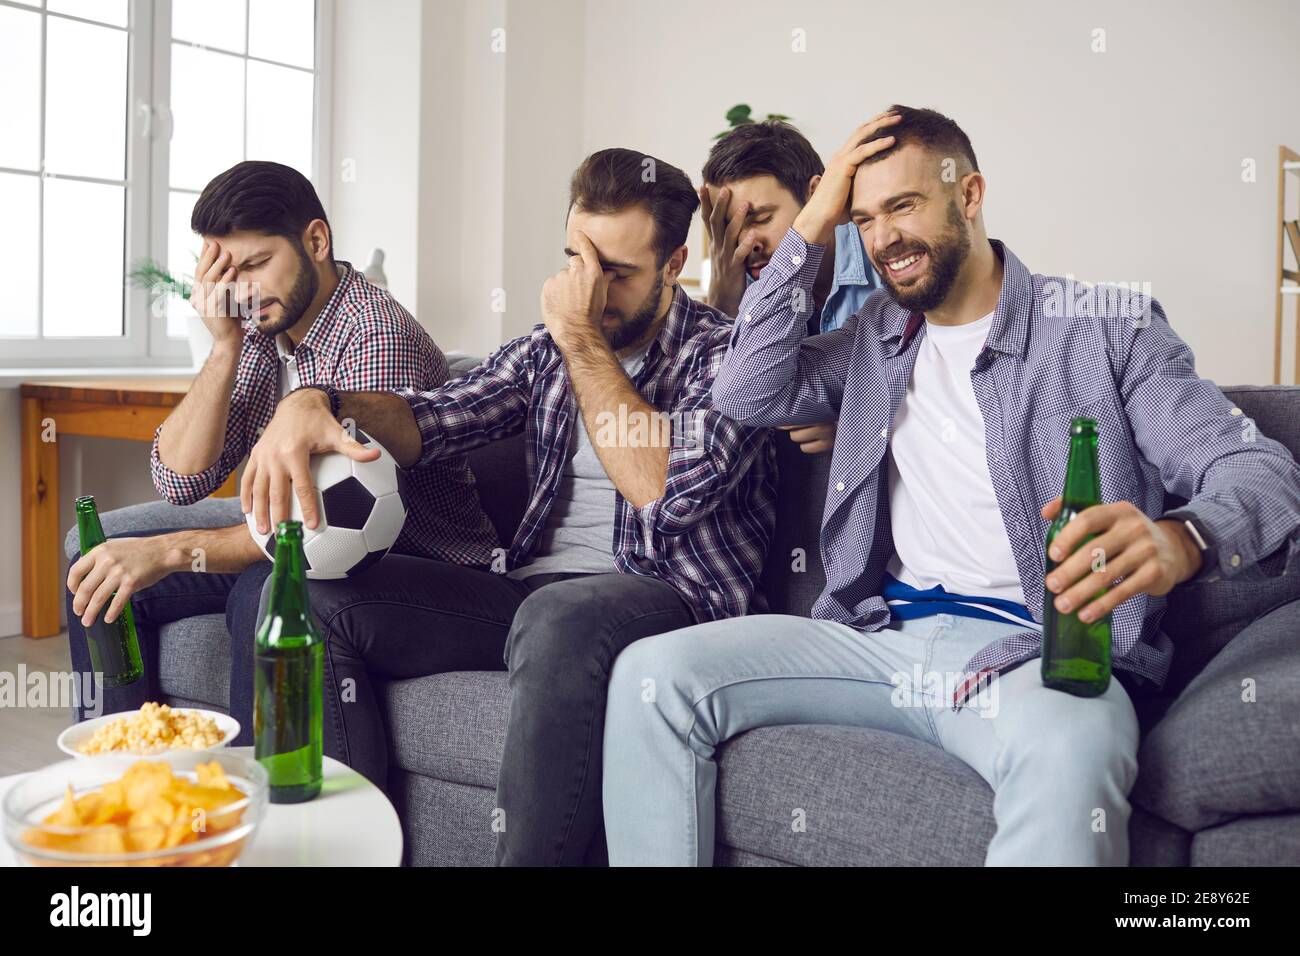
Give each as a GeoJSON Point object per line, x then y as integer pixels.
{"type": "Point", "coordinates": [630, 330]}
{"type": "Point", "coordinates": [946, 258]}
{"type": "Point", "coordinates": [305, 286]}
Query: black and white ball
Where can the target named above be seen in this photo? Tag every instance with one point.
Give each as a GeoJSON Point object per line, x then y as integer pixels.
{"type": "Point", "coordinates": [362, 507]}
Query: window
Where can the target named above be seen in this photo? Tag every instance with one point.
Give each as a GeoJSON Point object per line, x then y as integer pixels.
{"type": "Point", "coordinates": [116, 114]}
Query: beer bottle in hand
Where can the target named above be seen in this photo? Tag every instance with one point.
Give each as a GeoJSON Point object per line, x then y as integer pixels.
{"type": "Point", "coordinates": [114, 648]}
{"type": "Point", "coordinates": [288, 660]}
{"type": "Point", "coordinates": [1076, 654]}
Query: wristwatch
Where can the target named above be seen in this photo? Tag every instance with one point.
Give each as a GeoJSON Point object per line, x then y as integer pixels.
{"type": "Point", "coordinates": [331, 393]}
{"type": "Point", "coordinates": [1204, 541]}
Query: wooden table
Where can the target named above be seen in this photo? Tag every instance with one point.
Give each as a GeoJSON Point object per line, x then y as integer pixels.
{"type": "Point", "coordinates": [130, 408]}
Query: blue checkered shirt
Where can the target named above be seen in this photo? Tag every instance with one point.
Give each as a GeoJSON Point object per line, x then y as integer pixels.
{"type": "Point", "coordinates": [1056, 349]}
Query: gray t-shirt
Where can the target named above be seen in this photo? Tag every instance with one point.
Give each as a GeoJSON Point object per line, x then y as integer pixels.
{"type": "Point", "coordinates": [579, 532]}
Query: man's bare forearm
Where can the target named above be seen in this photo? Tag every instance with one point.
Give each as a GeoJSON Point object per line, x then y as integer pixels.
{"type": "Point", "coordinates": [194, 434]}
{"type": "Point", "coordinates": [639, 471]}
{"type": "Point", "coordinates": [211, 550]}
{"type": "Point", "coordinates": [388, 419]}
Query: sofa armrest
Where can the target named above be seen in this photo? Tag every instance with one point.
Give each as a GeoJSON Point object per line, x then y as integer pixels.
{"type": "Point", "coordinates": [157, 515]}
{"type": "Point", "coordinates": [1226, 746]}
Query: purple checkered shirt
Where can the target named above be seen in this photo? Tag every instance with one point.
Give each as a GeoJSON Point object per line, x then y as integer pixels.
{"type": "Point", "coordinates": [708, 534]}
{"type": "Point", "coordinates": [1056, 349]}
{"type": "Point", "coordinates": [362, 341]}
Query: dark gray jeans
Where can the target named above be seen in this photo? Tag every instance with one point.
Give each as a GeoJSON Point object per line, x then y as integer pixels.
{"type": "Point", "coordinates": [556, 634]}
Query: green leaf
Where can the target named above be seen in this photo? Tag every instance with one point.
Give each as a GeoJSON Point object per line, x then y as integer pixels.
{"type": "Point", "coordinates": [739, 114]}
{"type": "Point", "coordinates": [148, 275]}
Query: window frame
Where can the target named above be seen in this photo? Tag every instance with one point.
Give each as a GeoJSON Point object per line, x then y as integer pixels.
{"type": "Point", "coordinates": [144, 341]}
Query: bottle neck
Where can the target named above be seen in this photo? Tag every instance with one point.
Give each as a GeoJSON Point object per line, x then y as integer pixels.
{"type": "Point", "coordinates": [90, 533]}
{"type": "Point", "coordinates": [288, 601]}
{"type": "Point", "coordinates": [1082, 482]}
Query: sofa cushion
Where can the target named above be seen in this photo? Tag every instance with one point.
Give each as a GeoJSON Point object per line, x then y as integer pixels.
{"type": "Point", "coordinates": [194, 660]}
{"type": "Point", "coordinates": [450, 726]}
{"type": "Point", "coordinates": [862, 797]}
{"type": "Point", "coordinates": [869, 796]}
{"type": "Point", "coordinates": [1227, 745]}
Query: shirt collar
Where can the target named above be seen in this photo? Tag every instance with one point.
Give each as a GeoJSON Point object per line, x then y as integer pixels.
{"type": "Point", "coordinates": [850, 259]}
{"type": "Point", "coordinates": [1009, 332]}
{"type": "Point", "coordinates": [320, 328]}
{"type": "Point", "coordinates": [677, 327]}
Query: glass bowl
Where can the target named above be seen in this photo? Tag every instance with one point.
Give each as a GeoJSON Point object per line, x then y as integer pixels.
{"type": "Point", "coordinates": [227, 831]}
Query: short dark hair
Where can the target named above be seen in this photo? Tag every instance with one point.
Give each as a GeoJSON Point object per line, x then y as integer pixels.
{"type": "Point", "coordinates": [771, 148]}
{"type": "Point", "coordinates": [611, 180]}
{"type": "Point", "coordinates": [929, 129]}
{"type": "Point", "coordinates": [260, 196]}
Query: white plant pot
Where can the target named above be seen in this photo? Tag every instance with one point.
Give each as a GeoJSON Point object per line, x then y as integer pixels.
{"type": "Point", "coordinates": [200, 340]}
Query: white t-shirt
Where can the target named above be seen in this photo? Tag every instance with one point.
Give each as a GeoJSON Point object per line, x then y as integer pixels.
{"type": "Point", "coordinates": [945, 518]}
{"type": "Point", "coordinates": [288, 364]}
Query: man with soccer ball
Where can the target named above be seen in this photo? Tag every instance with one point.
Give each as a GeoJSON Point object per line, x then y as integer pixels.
{"type": "Point", "coordinates": [648, 510]}
{"type": "Point", "coordinates": [283, 314]}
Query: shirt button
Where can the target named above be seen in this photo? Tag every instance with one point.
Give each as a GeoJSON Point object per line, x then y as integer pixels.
{"type": "Point", "coordinates": [839, 486]}
{"type": "Point", "coordinates": [1236, 411]}
{"type": "Point", "coordinates": [749, 317]}
{"type": "Point", "coordinates": [1235, 560]}
{"type": "Point", "coordinates": [797, 260]}
{"type": "Point", "coordinates": [884, 433]}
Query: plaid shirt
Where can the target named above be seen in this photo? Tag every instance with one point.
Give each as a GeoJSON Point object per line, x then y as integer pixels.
{"type": "Point", "coordinates": [708, 534]}
{"type": "Point", "coordinates": [362, 341]}
{"type": "Point", "coordinates": [1056, 349]}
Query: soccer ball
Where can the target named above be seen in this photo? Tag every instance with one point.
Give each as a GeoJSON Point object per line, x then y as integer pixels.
{"type": "Point", "coordinates": [362, 507]}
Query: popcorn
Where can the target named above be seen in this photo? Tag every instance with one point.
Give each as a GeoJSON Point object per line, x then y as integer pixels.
{"type": "Point", "coordinates": [155, 727]}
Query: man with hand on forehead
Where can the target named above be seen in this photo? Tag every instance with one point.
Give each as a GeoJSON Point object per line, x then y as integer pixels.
{"type": "Point", "coordinates": [284, 314]}
{"type": "Point", "coordinates": [647, 509]}
{"type": "Point", "coordinates": [954, 388]}
{"type": "Point", "coordinates": [757, 178]}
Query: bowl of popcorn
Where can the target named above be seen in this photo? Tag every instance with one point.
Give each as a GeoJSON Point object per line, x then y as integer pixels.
{"type": "Point", "coordinates": [153, 729]}
{"type": "Point", "coordinates": [183, 808]}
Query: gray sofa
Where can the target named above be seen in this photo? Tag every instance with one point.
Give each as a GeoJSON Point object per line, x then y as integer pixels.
{"type": "Point", "coordinates": [1219, 777]}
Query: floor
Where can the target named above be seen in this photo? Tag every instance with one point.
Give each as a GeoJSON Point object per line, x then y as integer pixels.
{"type": "Point", "coordinates": [28, 730]}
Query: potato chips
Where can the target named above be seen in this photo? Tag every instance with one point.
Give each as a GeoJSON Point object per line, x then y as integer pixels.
{"type": "Point", "coordinates": [148, 809]}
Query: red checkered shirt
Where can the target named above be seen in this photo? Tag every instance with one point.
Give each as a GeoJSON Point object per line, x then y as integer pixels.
{"type": "Point", "coordinates": [708, 534]}
{"type": "Point", "coordinates": [362, 341]}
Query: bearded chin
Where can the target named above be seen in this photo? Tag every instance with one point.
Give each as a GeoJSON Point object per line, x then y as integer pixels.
{"type": "Point", "coordinates": [629, 330]}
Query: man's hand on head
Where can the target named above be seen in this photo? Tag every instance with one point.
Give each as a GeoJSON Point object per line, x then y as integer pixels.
{"type": "Point", "coordinates": [214, 294]}
{"type": "Point", "coordinates": [280, 461]}
{"type": "Point", "coordinates": [1131, 554]}
{"type": "Point", "coordinates": [828, 206]}
{"type": "Point", "coordinates": [728, 249]}
{"type": "Point", "coordinates": [573, 300]}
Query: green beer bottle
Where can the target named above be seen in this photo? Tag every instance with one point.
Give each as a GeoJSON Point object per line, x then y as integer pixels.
{"type": "Point", "coordinates": [1076, 654]}
{"type": "Point", "coordinates": [114, 648]}
{"type": "Point", "coordinates": [288, 661]}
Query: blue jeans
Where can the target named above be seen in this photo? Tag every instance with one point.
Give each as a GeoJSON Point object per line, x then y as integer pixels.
{"type": "Point", "coordinates": [1061, 767]}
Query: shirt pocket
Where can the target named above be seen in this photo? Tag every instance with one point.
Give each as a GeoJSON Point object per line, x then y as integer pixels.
{"type": "Point", "coordinates": [1051, 434]}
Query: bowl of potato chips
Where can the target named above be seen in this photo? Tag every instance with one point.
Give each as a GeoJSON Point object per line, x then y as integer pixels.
{"type": "Point", "coordinates": [181, 808]}
{"type": "Point", "coordinates": [153, 729]}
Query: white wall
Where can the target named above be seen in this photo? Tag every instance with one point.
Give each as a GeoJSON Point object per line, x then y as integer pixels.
{"type": "Point", "coordinates": [1115, 166]}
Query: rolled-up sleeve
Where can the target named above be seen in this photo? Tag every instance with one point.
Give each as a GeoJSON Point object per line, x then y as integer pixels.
{"type": "Point", "coordinates": [710, 454]}
{"type": "Point", "coordinates": [484, 404]}
{"type": "Point", "coordinates": [182, 489]}
{"type": "Point", "coordinates": [1241, 485]}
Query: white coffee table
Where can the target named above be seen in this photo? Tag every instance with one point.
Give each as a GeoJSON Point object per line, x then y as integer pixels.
{"type": "Point", "coordinates": [351, 823]}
